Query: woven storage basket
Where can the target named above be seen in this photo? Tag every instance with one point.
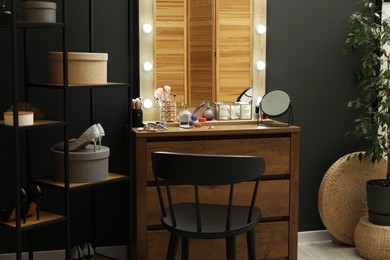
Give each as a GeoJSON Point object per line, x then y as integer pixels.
{"type": "Point", "coordinates": [39, 11]}
{"type": "Point", "coordinates": [84, 68]}
{"type": "Point", "coordinates": [342, 194]}
{"type": "Point", "coordinates": [372, 241]}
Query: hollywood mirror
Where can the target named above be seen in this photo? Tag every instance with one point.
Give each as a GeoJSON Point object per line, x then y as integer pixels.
{"type": "Point", "coordinates": [206, 50]}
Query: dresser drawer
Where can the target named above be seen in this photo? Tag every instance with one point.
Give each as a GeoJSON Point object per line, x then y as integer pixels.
{"type": "Point", "coordinates": [275, 151]}
{"type": "Point", "coordinates": [271, 243]}
{"type": "Point", "coordinates": [272, 198]}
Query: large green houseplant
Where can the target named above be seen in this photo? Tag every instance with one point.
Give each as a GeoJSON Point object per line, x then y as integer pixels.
{"type": "Point", "coordinates": [369, 34]}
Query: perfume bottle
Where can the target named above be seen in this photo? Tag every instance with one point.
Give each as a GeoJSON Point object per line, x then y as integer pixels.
{"type": "Point", "coordinates": [184, 115]}
{"type": "Point", "coordinates": [208, 113]}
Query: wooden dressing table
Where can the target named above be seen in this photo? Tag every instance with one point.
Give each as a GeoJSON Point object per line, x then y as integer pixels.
{"type": "Point", "coordinates": [276, 235]}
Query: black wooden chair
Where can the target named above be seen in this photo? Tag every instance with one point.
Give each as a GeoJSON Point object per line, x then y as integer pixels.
{"type": "Point", "coordinates": [199, 219]}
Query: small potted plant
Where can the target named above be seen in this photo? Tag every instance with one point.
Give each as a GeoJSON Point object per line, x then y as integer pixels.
{"type": "Point", "coordinates": [369, 34]}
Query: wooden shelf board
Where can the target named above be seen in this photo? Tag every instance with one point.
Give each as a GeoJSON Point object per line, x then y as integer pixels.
{"type": "Point", "coordinates": [27, 24]}
{"type": "Point", "coordinates": [102, 85]}
{"type": "Point", "coordinates": [31, 221]}
{"type": "Point", "coordinates": [36, 123]}
{"type": "Point", "coordinates": [111, 177]}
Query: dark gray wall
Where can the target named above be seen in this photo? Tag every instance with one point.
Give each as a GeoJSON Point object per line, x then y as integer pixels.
{"type": "Point", "coordinates": [111, 110]}
{"type": "Point", "coordinates": [304, 43]}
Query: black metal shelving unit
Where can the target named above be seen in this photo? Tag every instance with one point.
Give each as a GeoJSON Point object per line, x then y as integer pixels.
{"type": "Point", "coordinates": [48, 218]}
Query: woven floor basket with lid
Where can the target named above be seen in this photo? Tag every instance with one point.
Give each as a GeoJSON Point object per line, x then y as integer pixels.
{"type": "Point", "coordinates": [342, 194]}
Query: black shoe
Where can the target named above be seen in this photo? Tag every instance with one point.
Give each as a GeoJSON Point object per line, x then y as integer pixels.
{"type": "Point", "coordinates": [9, 214]}
{"type": "Point", "coordinates": [34, 201]}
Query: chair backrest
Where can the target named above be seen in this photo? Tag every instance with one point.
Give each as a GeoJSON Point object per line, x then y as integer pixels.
{"type": "Point", "coordinates": [205, 170]}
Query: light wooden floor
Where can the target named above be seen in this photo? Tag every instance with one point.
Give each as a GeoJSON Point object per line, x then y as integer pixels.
{"type": "Point", "coordinates": [326, 251]}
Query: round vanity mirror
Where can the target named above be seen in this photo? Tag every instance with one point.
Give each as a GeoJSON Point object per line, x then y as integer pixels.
{"type": "Point", "coordinates": [275, 103]}
{"type": "Point", "coordinates": [246, 95]}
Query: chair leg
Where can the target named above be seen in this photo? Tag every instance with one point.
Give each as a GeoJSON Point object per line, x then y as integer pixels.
{"type": "Point", "coordinates": [185, 248]}
{"type": "Point", "coordinates": [172, 249]}
{"type": "Point", "coordinates": [251, 244]}
{"type": "Point", "coordinates": [231, 248]}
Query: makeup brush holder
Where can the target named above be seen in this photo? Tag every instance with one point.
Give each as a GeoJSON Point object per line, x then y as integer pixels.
{"type": "Point", "coordinates": [137, 118]}
{"type": "Point", "coordinates": [168, 111]}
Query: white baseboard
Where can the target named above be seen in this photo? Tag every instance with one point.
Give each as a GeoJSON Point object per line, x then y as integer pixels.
{"type": "Point", "coordinates": [116, 252]}
{"type": "Point", "coordinates": [41, 255]}
{"type": "Point", "coordinates": [314, 236]}
{"type": "Point", "coordinates": [119, 252]}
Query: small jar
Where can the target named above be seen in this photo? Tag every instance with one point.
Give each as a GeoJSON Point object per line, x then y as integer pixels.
{"type": "Point", "coordinates": [235, 111]}
{"type": "Point", "coordinates": [222, 111]}
{"type": "Point", "coordinates": [246, 110]}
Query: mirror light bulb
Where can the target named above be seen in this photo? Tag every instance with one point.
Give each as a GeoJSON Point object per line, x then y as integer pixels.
{"type": "Point", "coordinates": [259, 65]}
{"type": "Point", "coordinates": [147, 103]}
{"type": "Point", "coordinates": [147, 66]}
{"type": "Point", "coordinates": [260, 29]}
{"type": "Point", "coordinates": [258, 101]}
{"type": "Point", "coordinates": [146, 28]}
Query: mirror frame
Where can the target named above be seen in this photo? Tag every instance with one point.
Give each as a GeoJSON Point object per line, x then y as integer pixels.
{"type": "Point", "coordinates": [146, 52]}
{"type": "Point", "coordinates": [282, 101]}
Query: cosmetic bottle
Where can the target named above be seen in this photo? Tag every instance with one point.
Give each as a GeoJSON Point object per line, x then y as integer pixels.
{"type": "Point", "coordinates": [184, 115]}
{"type": "Point", "coordinates": [208, 113]}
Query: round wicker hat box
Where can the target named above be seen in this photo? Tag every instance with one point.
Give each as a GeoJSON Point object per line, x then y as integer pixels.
{"type": "Point", "coordinates": [39, 11]}
{"type": "Point", "coordinates": [84, 68]}
{"type": "Point", "coordinates": [85, 165]}
{"type": "Point", "coordinates": [342, 194]}
{"type": "Point", "coordinates": [372, 241]}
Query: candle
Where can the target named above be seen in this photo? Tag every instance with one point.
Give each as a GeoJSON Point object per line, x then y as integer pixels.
{"type": "Point", "coordinates": [24, 117]}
